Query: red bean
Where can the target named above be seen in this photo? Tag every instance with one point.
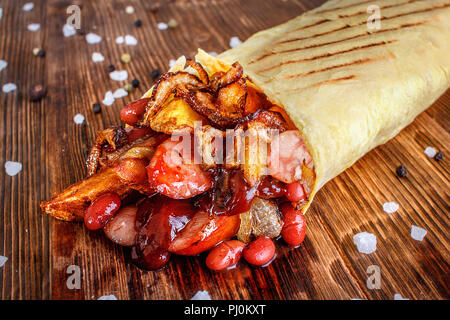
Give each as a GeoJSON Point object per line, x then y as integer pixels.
{"type": "Point", "coordinates": [294, 228]}
{"type": "Point", "coordinates": [225, 255]}
{"type": "Point", "coordinates": [259, 251]}
{"type": "Point", "coordinates": [101, 211]}
{"type": "Point", "coordinates": [295, 192]}
{"type": "Point", "coordinates": [122, 228]}
{"type": "Point", "coordinates": [133, 111]}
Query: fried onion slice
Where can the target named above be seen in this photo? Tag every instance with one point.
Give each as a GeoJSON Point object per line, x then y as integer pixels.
{"type": "Point", "coordinates": [220, 80]}
{"type": "Point", "coordinates": [226, 109]}
{"type": "Point", "coordinates": [139, 149]}
{"type": "Point", "coordinates": [272, 120]}
{"type": "Point", "coordinates": [202, 75]}
{"type": "Point", "coordinates": [168, 84]}
{"type": "Point", "coordinates": [114, 138]}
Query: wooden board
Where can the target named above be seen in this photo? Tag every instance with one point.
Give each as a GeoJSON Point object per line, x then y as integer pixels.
{"type": "Point", "coordinates": [52, 148]}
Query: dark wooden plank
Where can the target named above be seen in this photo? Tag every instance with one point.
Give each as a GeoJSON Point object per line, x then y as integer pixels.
{"type": "Point", "coordinates": [52, 149]}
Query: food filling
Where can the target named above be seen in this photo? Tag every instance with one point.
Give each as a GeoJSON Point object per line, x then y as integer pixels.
{"type": "Point", "coordinates": [207, 162]}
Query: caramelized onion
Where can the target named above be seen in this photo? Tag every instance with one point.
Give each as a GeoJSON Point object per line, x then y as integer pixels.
{"type": "Point", "coordinates": [202, 75]}
{"type": "Point", "coordinates": [114, 138]}
{"type": "Point", "coordinates": [221, 79]}
{"type": "Point", "coordinates": [226, 110]}
{"type": "Point", "coordinates": [168, 84]}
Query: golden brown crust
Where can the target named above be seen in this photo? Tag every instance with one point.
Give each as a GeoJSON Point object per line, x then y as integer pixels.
{"type": "Point", "coordinates": [70, 204]}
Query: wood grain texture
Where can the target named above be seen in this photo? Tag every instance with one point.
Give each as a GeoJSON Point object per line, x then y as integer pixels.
{"type": "Point", "coordinates": [52, 148]}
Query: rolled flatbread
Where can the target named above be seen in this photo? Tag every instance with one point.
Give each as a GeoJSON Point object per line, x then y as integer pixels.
{"type": "Point", "coordinates": [350, 75]}
{"type": "Point", "coordinates": [348, 83]}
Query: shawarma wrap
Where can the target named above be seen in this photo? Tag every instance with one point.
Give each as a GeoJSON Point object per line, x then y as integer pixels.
{"type": "Point", "coordinates": [349, 88]}
{"type": "Point", "coordinates": [332, 84]}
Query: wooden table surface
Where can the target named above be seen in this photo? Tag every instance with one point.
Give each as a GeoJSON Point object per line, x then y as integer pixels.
{"type": "Point", "coordinates": [52, 149]}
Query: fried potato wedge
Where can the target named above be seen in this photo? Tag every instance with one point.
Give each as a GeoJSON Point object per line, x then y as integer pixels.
{"type": "Point", "coordinates": [245, 229]}
{"type": "Point", "coordinates": [71, 203]}
{"type": "Point", "coordinates": [177, 115]}
{"type": "Point", "coordinates": [256, 141]}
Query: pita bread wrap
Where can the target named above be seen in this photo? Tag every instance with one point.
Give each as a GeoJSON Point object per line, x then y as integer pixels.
{"type": "Point", "coordinates": [347, 85]}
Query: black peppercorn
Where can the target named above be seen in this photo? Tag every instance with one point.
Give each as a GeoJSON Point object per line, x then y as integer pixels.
{"type": "Point", "coordinates": [97, 108]}
{"type": "Point", "coordinates": [138, 23]}
{"type": "Point", "coordinates": [155, 73]}
{"type": "Point", "coordinates": [41, 53]}
{"type": "Point", "coordinates": [111, 68]}
{"type": "Point", "coordinates": [37, 92]}
{"type": "Point", "coordinates": [401, 171]}
{"type": "Point", "coordinates": [438, 157]}
{"type": "Point", "coordinates": [135, 83]}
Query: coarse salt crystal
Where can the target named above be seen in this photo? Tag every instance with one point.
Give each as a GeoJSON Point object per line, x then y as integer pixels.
{"type": "Point", "coordinates": [34, 27]}
{"type": "Point", "coordinates": [201, 295]}
{"type": "Point", "coordinates": [120, 93]}
{"type": "Point", "coordinates": [234, 42]}
{"type": "Point", "coordinates": [162, 26]}
{"type": "Point", "coordinates": [430, 152]}
{"type": "Point", "coordinates": [9, 87]}
{"type": "Point", "coordinates": [28, 6]}
{"type": "Point", "coordinates": [3, 64]}
{"type": "Point", "coordinates": [130, 40]}
{"type": "Point", "coordinates": [390, 207]}
{"type": "Point", "coordinates": [418, 233]}
{"type": "Point", "coordinates": [3, 260]}
{"type": "Point", "coordinates": [129, 10]}
{"type": "Point", "coordinates": [109, 98]}
{"type": "Point", "coordinates": [120, 40]}
{"type": "Point", "coordinates": [78, 119]}
{"type": "Point", "coordinates": [172, 62]}
{"type": "Point", "coordinates": [365, 242]}
{"type": "Point", "coordinates": [1, 13]}
{"type": "Point", "coordinates": [93, 38]}
{"type": "Point", "coordinates": [398, 296]}
{"type": "Point", "coordinates": [68, 30]}
{"type": "Point", "coordinates": [97, 57]}
{"type": "Point", "coordinates": [12, 168]}
{"type": "Point", "coordinates": [108, 297]}
{"type": "Point", "coordinates": [119, 75]}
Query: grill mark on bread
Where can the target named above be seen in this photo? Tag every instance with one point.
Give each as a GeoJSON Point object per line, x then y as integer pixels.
{"type": "Point", "coordinates": [321, 83]}
{"type": "Point", "coordinates": [446, 5]}
{"type": "Point", "coordinates": [365, 34]}
{"type": "Point", "coordinates": [382, 7]}
{"type": "Point", "coordinates": [342, 65]}
{"type": "Point", "coordinates": [354, 14]}
{"type": "Point", "coordinates": [344, 7]}
{"type": "Point", "coordinates": [329, 54]}
{"type": "Point", "coordinates": [311, 25]}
